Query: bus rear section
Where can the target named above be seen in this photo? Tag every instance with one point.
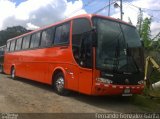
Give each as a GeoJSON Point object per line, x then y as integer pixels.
{"type": "Point", "coordinates": [2, 51]}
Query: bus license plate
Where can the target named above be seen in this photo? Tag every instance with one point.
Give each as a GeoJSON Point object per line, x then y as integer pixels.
{"type": "Point", "coordinates": [127, 90]}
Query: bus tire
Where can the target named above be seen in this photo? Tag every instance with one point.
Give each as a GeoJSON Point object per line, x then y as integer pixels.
{"type": "Point", "coordinates": [59, 84]}
{"type": "Point", "coordinates": [13, 73]}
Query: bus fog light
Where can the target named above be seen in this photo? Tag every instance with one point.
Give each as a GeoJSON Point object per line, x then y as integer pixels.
{"type": "Point", "coordinates": [141, 82]}
{"type": "Point", "coordinates": [103, 80]}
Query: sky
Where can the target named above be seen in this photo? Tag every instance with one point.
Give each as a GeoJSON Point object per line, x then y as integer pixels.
{"type": "Point", "coordinates": [33, 14]}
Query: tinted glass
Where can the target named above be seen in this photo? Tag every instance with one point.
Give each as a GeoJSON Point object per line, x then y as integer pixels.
{"type": "Point", "coordinates": [26, 41]}
{"type": "Point", "coordinates": [35, 40]}
{"type": "Point", "coordinates": [2, 50]}
{"type": "Point", "coordinates": [82, 42]}
{"type": "Point", "coordinates": [116, 50]}
{"type": "Point", "coordinates": [62, 34]}
{"type": "Point", "coordinates": [131, 31]}
{"type": "Point", "coordinates": [79, 27]}
{"type": "Point", "coordinates": [18, 44]}
{"type": "Point", "coordinates": [8, 45]}
{"type": "Point", "coordinates": [47, 37]}
{"type": "Point", "coordinates": [12, 45]}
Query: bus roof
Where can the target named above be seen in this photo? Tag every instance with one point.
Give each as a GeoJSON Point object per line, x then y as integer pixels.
{"type": "Point", "coordinates": [68, 19]}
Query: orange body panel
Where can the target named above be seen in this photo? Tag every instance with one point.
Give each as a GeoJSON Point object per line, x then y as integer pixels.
{"type": "Point", "coordinates": [40, 64]}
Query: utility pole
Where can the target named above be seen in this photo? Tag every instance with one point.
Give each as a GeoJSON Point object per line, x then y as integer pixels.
{"type": "Point", "coordinates": [109, 8]}
{"type": "Point", "coordinates": [121, 9]}
{"type": "Point", "coordinates": [140, 25]}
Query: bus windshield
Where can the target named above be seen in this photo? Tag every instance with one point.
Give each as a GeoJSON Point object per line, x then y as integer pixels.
{"type": "Point", "coordinates": [118, 46]}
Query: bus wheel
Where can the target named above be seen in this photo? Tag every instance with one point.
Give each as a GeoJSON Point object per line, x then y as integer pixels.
{"type": "Point", "coordinates": [13, 71]}
{"type": "Point", "coordinates": [59, 84]}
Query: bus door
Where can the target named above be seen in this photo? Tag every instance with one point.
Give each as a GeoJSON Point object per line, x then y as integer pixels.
{"type": "Point", "coordinates": [82, 52]}
{"type": "Point", "coordinates": [85, 63]}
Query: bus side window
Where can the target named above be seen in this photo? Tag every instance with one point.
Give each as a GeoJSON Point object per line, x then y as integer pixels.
{"type": "Point", "coordinates": [12, 47]}
{"type": "Point", "coordinates": [81, 42]}
{"type": "Point", "coordinates": [35, 39]}
{"type": "Point", "coordinates": [8, 45]}
{"type": "Point", "coordinates": [62, 34]}
{"type": "Point", "coordinates": [1, 51]}
{"type": "Point", "coordinates": [18, 44]}
{"type": "Point", "coordinates": [26, 41]}
{"type": "Point", "coordinates": [47, 37]}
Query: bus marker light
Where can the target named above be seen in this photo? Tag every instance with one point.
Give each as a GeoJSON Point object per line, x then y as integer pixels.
{"type": "Point", "coordinates": [121, 87]}
{"type": "Point", "coordinates": [106, 85]}
{"type": "Point", "coordinates": [114, 86]}
{"type": "Point", "coordinates": [97, 84]}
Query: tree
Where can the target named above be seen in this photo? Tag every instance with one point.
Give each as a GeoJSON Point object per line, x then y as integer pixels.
{"type": "Point", "coordinates": [139, 21]}
{"type": "Point", "coordinates": [146, 32]}
{"type": "Point", "coordinates": [156, 42]}
{"type": "Point", "coordinates": [11, 32]}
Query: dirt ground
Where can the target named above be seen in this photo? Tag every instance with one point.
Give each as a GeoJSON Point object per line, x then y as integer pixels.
{"type": "Point", "coordinates": [25, 96]}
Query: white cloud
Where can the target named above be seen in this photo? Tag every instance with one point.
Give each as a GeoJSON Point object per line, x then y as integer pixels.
{"type": "Point", "coordinates": [155, 28]}
{"type": "Point", "coordinates": [31, 26]}
{"type": "Point", "coordinates": [37, 13]}
{"type": "Point", "coordinates": [74, 9]}
{"type": "Point", "coordinates": [6, 10]}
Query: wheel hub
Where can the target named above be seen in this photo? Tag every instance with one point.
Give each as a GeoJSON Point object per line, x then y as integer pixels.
{"type": "Point", "coordinates": [60, 83]}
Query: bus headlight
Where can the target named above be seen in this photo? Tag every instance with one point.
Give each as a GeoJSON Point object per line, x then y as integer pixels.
{"type": "Point", "coordinates": [103, 80]}
{"type": "Point", "coordinates": [141, 82]}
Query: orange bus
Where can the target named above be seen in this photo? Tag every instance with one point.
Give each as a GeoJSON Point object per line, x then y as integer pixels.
{"type": "Point", "coordinates": [2, 50]}
{"type": "Point", "coordinates": [90, 54]}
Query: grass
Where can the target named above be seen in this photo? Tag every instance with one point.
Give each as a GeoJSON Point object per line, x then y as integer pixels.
{"type": "Point", "coordinates": [146, 103]}
{"type": "Point", "coordinates": [149, 101]}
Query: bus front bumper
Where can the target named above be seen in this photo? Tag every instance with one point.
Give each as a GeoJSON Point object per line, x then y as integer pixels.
{"type": "Point", "coordinates": [110, 89]}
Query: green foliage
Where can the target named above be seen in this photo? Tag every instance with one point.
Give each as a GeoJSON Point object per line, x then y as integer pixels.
{"type": "Point", "coordinates": [143, 26]}
{"type": "Point", "coordinates": [156, 45]}
{"type": "Point", "coordinates": [146, 103]}
{"type": "Point", "coordinates": [156, 42]}
{"type": "Point", "coordinates": [146, 32]}
{"type": "Point", "coordinates": [11, 32]}
{"type": "Point", "coordinates": [139, 21]}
